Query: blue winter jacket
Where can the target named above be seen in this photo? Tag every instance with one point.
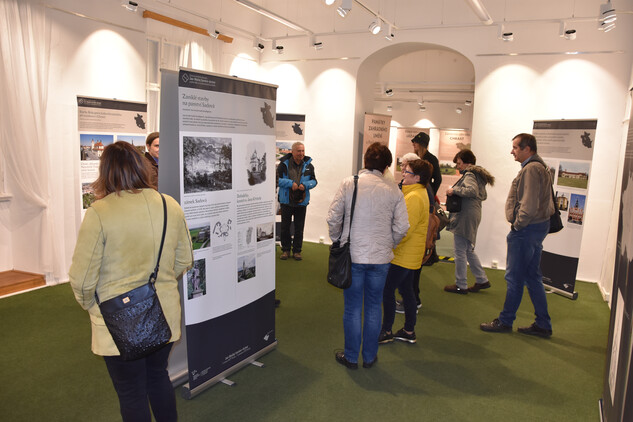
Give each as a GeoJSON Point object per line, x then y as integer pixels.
{"type": "Point", "coordinates": [308, 179]}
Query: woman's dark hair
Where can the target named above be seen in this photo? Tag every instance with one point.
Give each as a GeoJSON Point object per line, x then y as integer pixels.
{"type": "Point", "coordinates": [466, 156]}
{"type": "Point", "coordinates": [122, 168]}
{"type": "Point", "coordinates": [377, 157]}
{"type": "Point", "coordinates": [421, 168]}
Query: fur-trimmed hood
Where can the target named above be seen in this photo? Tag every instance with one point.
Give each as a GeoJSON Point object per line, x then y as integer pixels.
{"type": "Point", "coordinates": [481, 173]}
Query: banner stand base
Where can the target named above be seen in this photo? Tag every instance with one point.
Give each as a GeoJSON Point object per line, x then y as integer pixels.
{"type": "Point", "coordinates": [568, 295]}
{"type": "Point", "coordinates": [188, 393]}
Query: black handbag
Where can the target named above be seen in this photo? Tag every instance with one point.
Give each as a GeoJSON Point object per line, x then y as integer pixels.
{"type": "Point", "coordinates": [453, 203]}
{"type": "Point", "coordinates": [135, 319]}
{"type": "Point", "coordinates": [555, 221]}
{"type": "Point", "coordinates": [441, 215]}
{"type": "Point", "coordinates": [339, 271]}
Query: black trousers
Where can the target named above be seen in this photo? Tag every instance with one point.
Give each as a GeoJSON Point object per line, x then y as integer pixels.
{"type": "Point", "coordinates": [141, 383]}
{"type": "Point", "coordinates": [287, 214]}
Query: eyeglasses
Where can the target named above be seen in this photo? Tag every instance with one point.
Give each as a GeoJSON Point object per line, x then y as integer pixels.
{"type": "Point", "coordinates": [408, 172]}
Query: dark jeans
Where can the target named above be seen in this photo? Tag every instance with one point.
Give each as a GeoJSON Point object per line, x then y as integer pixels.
{"type": "Point", "coordinates": [402, 279]}
{"type": "Point", "coordinates": [137, 381]}
{"type": "Point", "coordinates": [299, 214]}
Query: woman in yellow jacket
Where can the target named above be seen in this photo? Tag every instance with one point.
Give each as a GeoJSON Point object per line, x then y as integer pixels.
{"type": "Point", "coordinates": [408, 254]}
{"type": "Point", "coordinates": [116, 252]}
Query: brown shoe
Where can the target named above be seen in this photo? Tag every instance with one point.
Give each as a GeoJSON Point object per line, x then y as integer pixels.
{"type": "Point", "coordinates": [297, 256]}
{"type": "Point", "coordinates": [479, 286]}
{"type": "Point", "coordinates": [452, 288]}
{"type": "Point", "coordinates": [284, 255]}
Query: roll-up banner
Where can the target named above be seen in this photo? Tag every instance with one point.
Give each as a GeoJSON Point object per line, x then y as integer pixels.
{"type": "Point", "coordinates": [227, 190]}
{"type": "Point", "coordinates": [404, 146]}
{"type": "Point", "coordinates": [566, 146]}
{"type": "Point", "coordinates": [101, 122]}
{"type": "Point", "coordinates": [451, 142]}
{"type": "Point", "coordinates": [376, 129]}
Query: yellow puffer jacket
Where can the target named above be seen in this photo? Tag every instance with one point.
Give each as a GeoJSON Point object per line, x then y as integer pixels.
{"type": "Point", "coordinates": [409, 252]}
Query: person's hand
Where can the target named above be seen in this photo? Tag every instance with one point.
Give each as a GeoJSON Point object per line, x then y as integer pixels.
{"type": "Point", "coordinates": [301, 187]}
{"type": "Point", "coordinates": [449, 191]}
{"type": "Point", "coordinates": [295, 186]}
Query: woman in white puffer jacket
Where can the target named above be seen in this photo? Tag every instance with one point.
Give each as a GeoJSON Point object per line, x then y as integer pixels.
{"type": "Point", "coordinates": [379, 224]}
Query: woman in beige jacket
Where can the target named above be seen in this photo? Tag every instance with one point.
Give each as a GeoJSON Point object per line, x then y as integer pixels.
{"type": "Point", "coordinates": [116, 252]}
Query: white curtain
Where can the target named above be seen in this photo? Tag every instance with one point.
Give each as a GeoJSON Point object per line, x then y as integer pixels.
{"type": "Point", "coordinates": [25, 52]}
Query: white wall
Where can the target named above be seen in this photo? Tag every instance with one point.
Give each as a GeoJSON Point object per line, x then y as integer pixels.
{"type": "Point", "coordinates": [96, 59]}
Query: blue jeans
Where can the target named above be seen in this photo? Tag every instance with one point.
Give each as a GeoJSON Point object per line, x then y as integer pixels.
{"type": "Point", "coordinates": [465, 253]}
{"type": "Point", "coordinates": [368, 282]}
{"type": "Point", "coordinates": [523, 268]}
{"type": "Point", "coordinates": [402, 279]}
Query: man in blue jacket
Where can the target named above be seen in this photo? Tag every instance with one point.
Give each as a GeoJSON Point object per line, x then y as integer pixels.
{"type": "Point", "coordinates": [296, 177]}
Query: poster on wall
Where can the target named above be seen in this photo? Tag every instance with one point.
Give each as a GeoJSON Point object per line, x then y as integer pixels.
{"type": "Point", "coordinates": [376, 129]}
{"type": "Point", "coordinates": [451, 142]}
{"type": "Point", "coordinates": [404, 146]}
{"type": "Point", "coordinates": [227, 147]}
{"type": "Point", "coordinates": [101, 122]}
{"type": "Point", "coordinates": [567, 147]}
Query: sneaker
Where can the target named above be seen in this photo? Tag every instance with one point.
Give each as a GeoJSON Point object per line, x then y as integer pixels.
{"type": "Point", "coordinates": [400, 307]}
{"type": "Point", "coordinates": [479, 286]}
{"type": "Point", "coordinates": [385, 337]}
{"type": "Point", "coordinates": [452, 288]}
{"type": "Point", "coordinates": [404, 336]}
{"type": "Point", "coordinates": [297, 256]}
{"type": "Point", "coordinates": [368, 365]}
{"type": "Point", "coordinates": [495, 326]}
{"type": "Point", "coordinates": [284, 255]}
{"type": "Point", "coordinates": [535, 330]}
{"type": "Point", "coordinates": [340, 358]}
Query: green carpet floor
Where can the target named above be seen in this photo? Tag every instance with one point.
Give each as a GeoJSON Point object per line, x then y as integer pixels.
{"type": "Point", "coordinates": [454, 373]}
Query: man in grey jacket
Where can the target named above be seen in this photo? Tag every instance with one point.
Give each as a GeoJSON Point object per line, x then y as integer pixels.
{"type": "Point", "coordinates": [528, 210]}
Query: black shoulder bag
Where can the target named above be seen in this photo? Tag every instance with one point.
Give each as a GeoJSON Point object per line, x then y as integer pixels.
{"type": "Point", "coordinates": [555, 220]}
{"type": "Point", "coordinates": [339, 272]}
{"type": "Point", "coordinates": [135, 319]}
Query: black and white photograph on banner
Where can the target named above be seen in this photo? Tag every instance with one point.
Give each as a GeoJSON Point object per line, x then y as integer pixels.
{"type": "Point", "coordinates": [197, 279]}
{"type": "Point", "coordinates": [576, 212]}
{"type": "Point", "coordinates": [246, 267]}
{"type": "Point", "coordinates": [207, 164]}
{"type": "Point", "coordinates": [200, 235]}
{"type": "Point", "coordinates": [265, 231]}
{"type": "Point", "coordinates": [92, 145]}
{"type": "Point", "coordinates": [574, 174]}
{"type": "Point", "coordinates": [138, 141]}
{"type": "Point", "coordinates": [256, 163]}
{"type": "Point", "coordinates": [245, 238]}
{"type": "Point", "coordinates": [222, 230]}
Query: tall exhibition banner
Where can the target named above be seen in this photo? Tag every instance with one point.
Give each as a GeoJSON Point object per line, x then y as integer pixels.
{"type": "Point", "coordinates": [617, 400]}
{"type": "Point", "coordinates": [451, 142]}
{"type": "Point", "coordinates": [404, 146]}
{"type": "Point", "coordinates": [376, 129]}
{"type": "Point", "coordinates": [566, 146]}
{"type": "Point", "coordinates": [227, 151]}
{"type": "Point", "coordinates": [102, 122]}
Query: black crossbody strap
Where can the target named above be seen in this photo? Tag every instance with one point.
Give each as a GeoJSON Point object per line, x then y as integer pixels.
{"type": "Point", "coordinates": [152, 278]}
{"type": "Point", "coordinates": [351, 216]}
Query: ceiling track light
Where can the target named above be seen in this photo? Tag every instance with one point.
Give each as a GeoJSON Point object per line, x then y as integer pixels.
{"type": "Point", "coordinates": [132, 6]}
{"type": "Point", "coordinates": [607, 12]}
{"type": "Point", "coordinates": [389, 92]}
{"type": "Point", "coordinates": [568, 34]}
{"type": "Point", "coordinates": [389, 107]}
{"type": "Point", "coordinates": [458, 110]}
{"type": "Point", "coordinates": [257, 45]}
{"type": "Point", "coordinates": [505, 35]}
{"type": "Point", "coordinates": [468, 103]}
{"type": "Point", "coordinates": [375, 26]}
{"type": "Point", "coordinates": [317, 45]}
{"type": "Point", "coordinates": [279, 49]}
{"type": "Point", "coordinates": [422, 108]}
{"type": "Point", "coordinates": [389, 35]}
{"type": "Point", "coordinates": [344, 8]}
